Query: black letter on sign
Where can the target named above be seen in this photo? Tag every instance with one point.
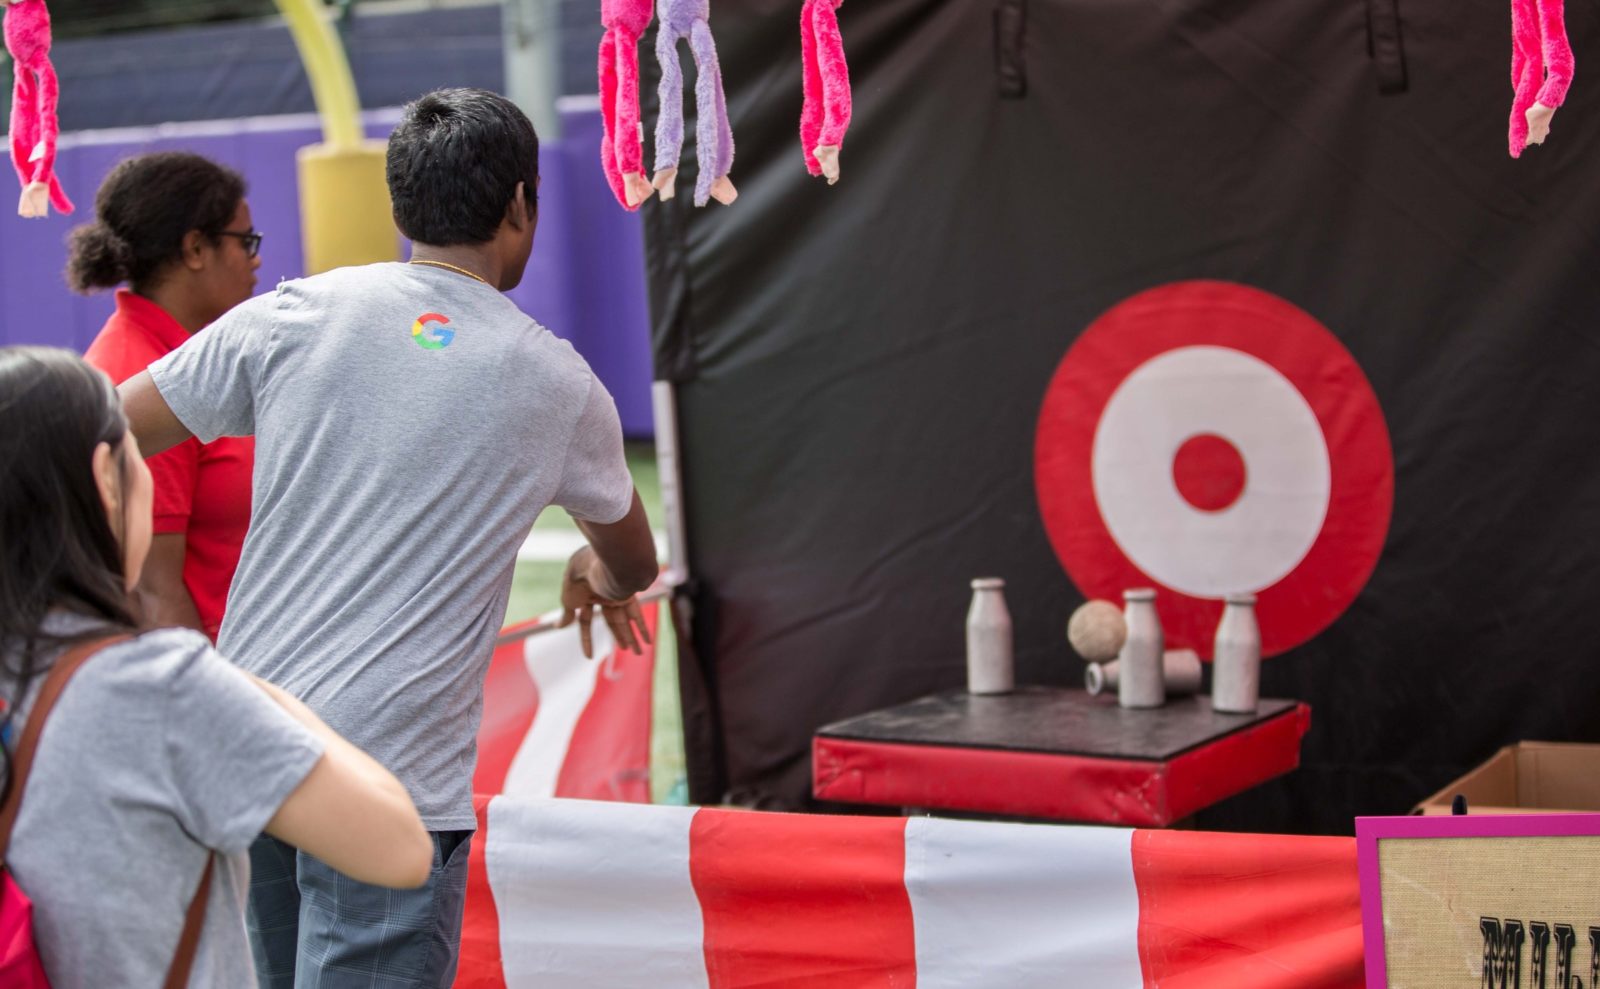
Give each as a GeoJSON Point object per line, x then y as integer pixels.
{"type": "Point", "coordinates": [1502, 953]}
{"type": "Point", "coordinates": [1566, 937]}
{"type": "Point", "coordinates": [1539, 934]}
{"type": "Point", "coordinates": [1594, 955]}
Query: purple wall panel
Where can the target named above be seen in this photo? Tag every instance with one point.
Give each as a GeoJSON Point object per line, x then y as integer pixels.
{"type": "Point", "coordinates": [585, 280]}
{"type": "Point", "coordinates": [607, 289]}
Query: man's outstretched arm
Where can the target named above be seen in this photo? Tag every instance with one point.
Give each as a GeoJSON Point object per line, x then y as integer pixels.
{"type": "Point", "coordinates": [149, 416]}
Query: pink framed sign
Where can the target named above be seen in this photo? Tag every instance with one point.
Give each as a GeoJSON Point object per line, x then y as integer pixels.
{"type": "Point", "coordinates": [1488, 901]}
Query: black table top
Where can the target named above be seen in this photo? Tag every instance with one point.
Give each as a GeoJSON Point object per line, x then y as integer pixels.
{"type": "Point", "coordinates": [1054, 721]}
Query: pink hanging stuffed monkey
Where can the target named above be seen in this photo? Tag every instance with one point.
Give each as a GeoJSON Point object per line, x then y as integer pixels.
{"type": "Point", "coordinates": [33, 108]}
{"type": "Point", "coordinates": [1541, 69]}
{"type": "Point", "coordinates": [622, 146]}
{"type": "Point", "coordinates": [825, 114]}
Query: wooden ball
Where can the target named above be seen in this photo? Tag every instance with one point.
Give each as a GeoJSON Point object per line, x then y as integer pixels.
{"type": "Point", "coordinates": [1097, 631]}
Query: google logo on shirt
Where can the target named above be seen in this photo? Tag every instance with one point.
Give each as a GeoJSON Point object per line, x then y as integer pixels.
{"type": "Point", "coordinates": [435, 337]}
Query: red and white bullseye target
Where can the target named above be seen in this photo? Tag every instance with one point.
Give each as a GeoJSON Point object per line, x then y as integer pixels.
{"type": "Point", "coordinates": [1208, 438]}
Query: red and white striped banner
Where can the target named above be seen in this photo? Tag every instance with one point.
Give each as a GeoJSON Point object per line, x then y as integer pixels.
{"type": "Point", "coordinates": [569, 893]}
{"type": "Point", "coordinates": [556, 724]}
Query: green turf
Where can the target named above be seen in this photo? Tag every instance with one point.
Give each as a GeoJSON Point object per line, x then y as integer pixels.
{"type": "Point", "coordinates": [536, 589]}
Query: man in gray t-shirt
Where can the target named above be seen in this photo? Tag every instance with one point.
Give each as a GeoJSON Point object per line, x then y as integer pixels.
{"type": "Point", "coordinates": [410, 424]}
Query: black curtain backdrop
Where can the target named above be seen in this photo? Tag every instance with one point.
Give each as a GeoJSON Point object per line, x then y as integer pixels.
{"type": "Point", "coordinates": [860, 368]}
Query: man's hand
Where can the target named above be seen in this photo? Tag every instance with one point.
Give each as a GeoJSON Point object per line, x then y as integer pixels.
{"type": "Point", "coordinates": [579, 601]}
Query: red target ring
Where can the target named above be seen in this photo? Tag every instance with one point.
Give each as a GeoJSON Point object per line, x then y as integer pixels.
{"type": "Point", "coordinates": [1204, 438]}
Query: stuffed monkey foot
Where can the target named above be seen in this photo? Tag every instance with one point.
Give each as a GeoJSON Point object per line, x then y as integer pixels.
{"type": "Point", "coordinates": [637, 188]}
{"type": "Point", "coordinates": [35, 201]}
{"type": "Point", "coordinates": [722, 191]}
{"type": "Point", "coordinates": [665, 183]}
{"type": "Point", "coordinates": [1539, 122]}
{"type": "Point", "coordinates": [827, 156]}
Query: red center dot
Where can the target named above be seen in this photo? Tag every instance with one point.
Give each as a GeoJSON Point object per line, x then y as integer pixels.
{"type": "Point", "coordinates": [1209, 472]}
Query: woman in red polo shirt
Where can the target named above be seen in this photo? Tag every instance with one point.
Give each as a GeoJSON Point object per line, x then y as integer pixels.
{"type": "Point", "coordinates": [174, 227]}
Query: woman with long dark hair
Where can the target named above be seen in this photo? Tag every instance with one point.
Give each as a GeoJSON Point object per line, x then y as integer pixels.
{"type": "Point", "coordinates": [175, 229]}
{"type": "Point", "coordinates": [161, 762]}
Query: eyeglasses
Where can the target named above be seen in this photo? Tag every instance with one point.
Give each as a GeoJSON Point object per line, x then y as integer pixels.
{"type": "Point", "coordinates": [250, 238]}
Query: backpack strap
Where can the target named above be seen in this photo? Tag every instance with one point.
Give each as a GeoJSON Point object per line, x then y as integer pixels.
{"type": "Point", "coordinates": [22, 759]}
{"type": "Point", "coordinates": [22, 763]}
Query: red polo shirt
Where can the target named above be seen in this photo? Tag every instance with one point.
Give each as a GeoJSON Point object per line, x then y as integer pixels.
{"type": "Point", "coordinates": [201, 489]}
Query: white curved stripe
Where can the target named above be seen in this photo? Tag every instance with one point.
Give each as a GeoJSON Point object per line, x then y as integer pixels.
{"type": "Point", "coordinates": [566, 682]}
{"type": "Point", "coordinates": [1022, 906]}
{"type": "Point", "coordinates": [1260, 538]}
{"type": "Point", "coordinates": [595, 895]}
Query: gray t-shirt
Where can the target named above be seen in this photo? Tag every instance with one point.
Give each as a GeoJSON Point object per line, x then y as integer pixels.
{"type": "Point", "coordinates": [410, 424]}
{"type": "Point", "coordinates": [157, 751]}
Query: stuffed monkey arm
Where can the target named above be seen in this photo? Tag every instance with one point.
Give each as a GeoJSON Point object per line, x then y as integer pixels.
{"type": "Point", "coordinates": [608, 115]}
{"type": "Point", "coordinates": [713, 132]}
{"type": "Point", "coordinates": [621, 144]}
{"type": "Point", "coordinates": [1556, 52]}
{"type": "Point", "coordinates": [45, 181]}
{"type": "Point", "coordinates": [1527, 67]}
{"type": "Point", "coordinates": [629, 139]}
{"type": "Point", "coordinates": [834, 75]}
{"type": "Point", "coordinates": [669, 118]}
{"type": "Point", "coordinates": [1541, 69]}
{"type": "Point", "coordinates": [811, 107]}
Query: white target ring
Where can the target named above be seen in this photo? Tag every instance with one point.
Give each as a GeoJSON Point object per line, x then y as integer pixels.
{"type": "Point", "coordinates": [1260, 537]}
{"type": "Point", "coordinates": [1205, 438]}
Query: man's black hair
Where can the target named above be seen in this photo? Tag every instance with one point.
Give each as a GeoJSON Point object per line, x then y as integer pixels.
{"type": "Point", "coordinates": [454, 164]}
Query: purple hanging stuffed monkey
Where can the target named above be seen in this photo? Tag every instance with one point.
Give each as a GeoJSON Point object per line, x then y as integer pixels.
{"type": "Point", "coordinates": [713, 135]}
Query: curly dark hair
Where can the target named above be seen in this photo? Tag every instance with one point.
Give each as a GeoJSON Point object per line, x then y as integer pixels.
{"type": "Point", "coordinates": [143, 210]}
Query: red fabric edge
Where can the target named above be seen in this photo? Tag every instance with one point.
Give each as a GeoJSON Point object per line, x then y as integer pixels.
{"type": "Point", "coordinates": [479, 965]}
{"type": "Point", "coordinates": [1248, 911]}
{"type": "Point", "coordinates": [510, 703]}
{"type": "Point", "coordinates": [1234, 763]}
{"type": "Point", "coordinates": [608, 755]}
{"type": "Point", "coordinates": [794, 901]}
{"type": "Point", "coordinates": [995, 781]}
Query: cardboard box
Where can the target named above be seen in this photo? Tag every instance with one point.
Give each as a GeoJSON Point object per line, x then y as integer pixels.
{"type": "Point", "coordinates": [1527, 778]}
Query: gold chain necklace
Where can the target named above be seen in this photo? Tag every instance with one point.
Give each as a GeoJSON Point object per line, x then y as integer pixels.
{"type": "Point", "coordinates": [450, 267]}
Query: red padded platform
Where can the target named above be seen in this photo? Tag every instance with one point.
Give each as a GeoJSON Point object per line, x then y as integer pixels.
{"type": "Point", "coordinates": [1057, 754]}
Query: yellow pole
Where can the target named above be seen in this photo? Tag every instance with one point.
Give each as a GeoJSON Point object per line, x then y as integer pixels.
{"type": "Point", "coordinates": [345, 214]}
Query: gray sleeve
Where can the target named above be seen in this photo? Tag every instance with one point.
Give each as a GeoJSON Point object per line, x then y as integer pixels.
{"type": "Point", "coordinates": [234, 754]}
{"type": "Point", "coordinates": [595, 484]}
{"type": "Point", "coordinates": [211, 382]}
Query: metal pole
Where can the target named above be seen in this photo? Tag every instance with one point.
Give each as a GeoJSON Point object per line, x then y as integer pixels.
{"type": "Point", "coordinates": [532, 29]}
{"type": "Point", "coordinates": [664, 403]}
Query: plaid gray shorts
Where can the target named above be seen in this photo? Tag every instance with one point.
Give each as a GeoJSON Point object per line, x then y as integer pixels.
{"type": "Point", "coordinates": [312, 928]}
